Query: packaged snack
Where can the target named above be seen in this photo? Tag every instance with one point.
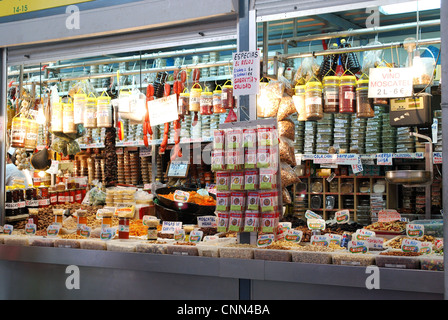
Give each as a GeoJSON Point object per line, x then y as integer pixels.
{"type": "Point", "coordinates": [237, 201]}
{"type": "Point", "coordinates": [268, 179]}
{"type": "Point", "coordinates": [235, 159]}
{"type": "Point", "coordinates": [222, 180]}
{"type": "Point", "coordinates": [236, 221]}
{"type": "Point", "coordinates": [286, 107]}
{"type": "Point", "coordinates": [263, 157]}
{"type": "Point", "coordinates": [249, 137]}
{"type": "Point", "coordinates": [267, 136]}
{"type": "Point", "coordinates": [250, 158]}
{"type": "Point", "coordinates": [223, 201]}
{"type": "Point", "coordinates": [218, 139]}
{"type": "Point", "coordinates": [286, 128]}
{"type": "Point", "coordinates": [251, 221]}
{"type": "Point", "coordinates": [253, 201]}
{"type": "Point", "coordinates": [237, 180]}
{"type": "Point", "coordinates": [251, 179]}
{"type": "Point", "coordinates": [223, 221]}
{"type": "Point", "coordinates": [267, 201]}
{"type": "Point", "coordinates": [218, 160]}
{"type": "Point", "coordinates": [286, 149]}
{"type": "Point", "coordinates": [234, 139]}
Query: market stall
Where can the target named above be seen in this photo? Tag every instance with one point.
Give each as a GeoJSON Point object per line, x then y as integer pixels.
{"type": "Point", "coordinates": [152, 165]}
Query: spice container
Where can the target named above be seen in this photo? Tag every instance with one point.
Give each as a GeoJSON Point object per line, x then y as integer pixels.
{"type": "Point", "coordinates": [104, 112]}
{"type": "Point", "coordinates": [217, 101]}
{"type": "Point", "coordinates": [90, 112]}
{"type": "Point", "coordinates": [331, 94]}
{"type": "Point", "coordinates": [57, 116]}
{"type": "Point", "coordinates": [227, 99]}
{"type": "Point", "coordinates": [313, 101]}
{"type": "Point", "coordinates": [347, 96]}
{"type": "Point", "coordinates": [364, 104]}
{"type": "Point", "coordinates": [184, 103]}
{"type": "Point", "coordinates": [206, 103]}
{"type": "Point", "coordinates": [299, 102]}
{"type": "Point", "coordinates": [68, 125]}
{"type": "Point", "coordinates": [195, 99]}
{"type": "Point", "coordinates": [123, 228]}
{"type": "Point", "coordinates": [79, 104]}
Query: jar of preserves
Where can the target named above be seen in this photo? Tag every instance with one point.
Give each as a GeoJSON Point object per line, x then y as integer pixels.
{"type": "Point", "coordinates": [71, 196]}
{"type": "Point", "coordinates": [31, 198]}
{"type": "Point", "coordinates": [106, 219]}
{"type": "Point", "coordinates": [68, 125]}
{"type": "Point", "coordinates": [90, 112]}
{"type": "Point", "coordinates": [313, 100]}
{"type": "Point", "coordinates": [104, 112]}
{"type": "Point", "coordinates": [227, 99]}
{"type": "Point", "coordinates": [217, 101]}
{"type": "Point", "coordinates": [43, 197]}
{"type": "Point", "coordinates": [78, 196]}
{"type": "Point", "coordinates": [299, 102]}
{"type": "Point", "coordinates": [195, 99]}
{"type": "Point", "coordinates": [53, 197]}
{"type": "Point", "coordinates": [331, 94]}
{"type": "Point", "coordinates": [364, 104]}
{"type": "Point", "coordinates": [58, 216]}
{"type": "Point", "coordinates": [123, 228]}
{"type": "Point", "coordinates": [57, 116]}
{"type": "Point", "coordinates": [184, 103]}
{"type": "Point", "coordinates": [10, 206]}
{"type": "Point", "coordinates": [82, 220]}
{"type": "Point", "coordinates": [347, 95]}
{"type": "Point", "coordinates": [206, 103]}
{"type": "Point", "coordinates": [21, 204]}
{"type": "Point", "coordinates": [79, 104]}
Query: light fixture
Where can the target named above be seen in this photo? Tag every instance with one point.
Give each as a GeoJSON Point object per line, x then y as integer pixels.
{"type": "Point", "coordinates": [410, 6]}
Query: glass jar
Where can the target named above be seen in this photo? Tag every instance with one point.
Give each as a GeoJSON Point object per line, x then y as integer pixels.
{"type": "Point", "coordinates": [347, 95]}
{"type": "Point", "coordinates": [184, 104]}
{"type": "Point", "coordinates": [103, 112]}
{"type": "Point", "coordinates": [53, 198]}
{"type": "Point", "coordinates": [79, 104]}
{"type": "Point", "coordinates": [217, 102]}
{"type": "Point", "coordinates": [206, 103]}
{"type": "Point", "coordinates": [331, 94]}
{"type": "Point", "coordinates": [313, 101]}
{"type": "Point", "coordinates": [43, 197]}
{"type": "Point", "coordinates": [299, 102]}
{"type": "Point", "coordinates": [21, 205]}
{"type": "Point", "coordinates": [82, 220]}
{"type": "Point", "coordinates": [9, 204]}
{"type": "Point", "coordinates": [90, 113]}
{"type": "Point", "coordinates": [227, 99]}
{"type": "Point", "coordinates": [106, 220]}
{"type": "Point", "coordinates": [195, 99]}
{"type": "Point", "coordinates": [364, 104]}
{"type": "Point", "coordinates": [123, 228]}
{"type": "Point", "coordinates": [68, 125]}
{"type": "Point", "coordinates": [57, 117]}
{"type": "Point", "coordinates": [58, 216]}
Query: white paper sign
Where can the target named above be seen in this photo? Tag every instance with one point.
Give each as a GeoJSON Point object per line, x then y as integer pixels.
{"type": "Point", "coordinates": [246, 73]}
{"type": "Point", "coordinates": [163, 110]}
{"type": "Point", "coordinates": [384, 159]}
{"type": "Point", "coordinates": [390, 82]}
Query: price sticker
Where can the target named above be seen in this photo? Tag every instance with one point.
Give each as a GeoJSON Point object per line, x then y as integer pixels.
{"type": "Point", "coordinates": [414, 230]}
{"type": "Point", "coordinates": [265, 240]}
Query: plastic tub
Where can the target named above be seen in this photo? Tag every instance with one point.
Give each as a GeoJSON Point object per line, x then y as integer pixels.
{"type": "Point", "coordinates": [181, 249]}
{"type": "Point", "coordinates": [208, 250]}
{"type": "Point", "coordinates": [272, 254]}
{"type": "Point", "coordinates": [431, 262]}
{"type": "Point", "coordinates": [120, 246]}
{"type": "Point", "coordinates": [400, 262]}
{"type": "Point", "coordinates": [353, 259]}
{"type": "Point", "coordinates": [432, 227]}
{"type": "Point", "coordinates": [237, 251]}
{"type": "Point", "coordinates": [311, 257]}
{"type": "Point", "coordinates": [16, 240]}
{"type": "Point", "coordinates": [151, 247]}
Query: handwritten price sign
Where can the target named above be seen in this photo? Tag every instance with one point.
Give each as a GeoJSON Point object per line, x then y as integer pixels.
{"type": "Point", "coordinates": [246, 72]}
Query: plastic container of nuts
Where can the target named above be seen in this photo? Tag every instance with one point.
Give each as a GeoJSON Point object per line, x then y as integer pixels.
{"type": "Point", "coordinates": [156, 247]}
{"type": "Point", "coordinates": [431, 262]}
{"type": "Point", "coordinates": [182, 248]}
{"type": "Point", "coordinates": [237, 251]}
{"type": "Point", "coordinates": [311, 257]}
{"type": "Point", "coordinates": [208, 249]}
{"type": "Point", "coordinates": [272, 254]}
{"type": "Point", "coordinates": [353, 259]}
{"type": "Point", "coordinates": [397, 259]}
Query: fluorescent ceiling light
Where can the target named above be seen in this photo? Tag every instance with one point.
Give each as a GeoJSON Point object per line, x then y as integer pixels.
{"type": "Point", "coordinates": [410, 6]}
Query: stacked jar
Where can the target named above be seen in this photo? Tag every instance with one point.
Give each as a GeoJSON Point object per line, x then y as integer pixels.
{"type": "Point", "coordinates": [313, 101]}
{"type": "Point", "coordinates": [331, 94]}
{"type": "Point", "coordinates": [206, 103]}
{"type": "Point", "coordinates": [217, 101]}
{"type": "Point", "coordinates": [347, 95]}
{"type": "Point", "coordinates": [227, 99]}
{"type": "Point", "coordinates": [364, 104]}
{"type": "Point", "coordinates": [195, 99]}
{"type": "Point", "coordinates": [299, 102]}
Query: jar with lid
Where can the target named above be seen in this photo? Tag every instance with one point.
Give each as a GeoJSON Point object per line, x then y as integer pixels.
{"type": "Point", "coordinates": [195, 99]}
{"type": "Point", "coordinates": [18, 131]}
{"type": "Point", "coordinates": [364, 104]}
{"type": "Point", "coordinates": [206, 103]}
{"type": "Point", "coordinates": [123, 228]}
{"type": "Point", "coordinates": [79, 104]}
{"type": "Point", "coordinates": [106, 219]}
{"type": "Point", "coordinates": [34, 216]}
{"type": "Point", "coordinates": [68, 125]}
{"type": "Point", "coordinates": [227, 99]}
{"type": "Point", "coordinates": [31, 134]}
{"type": "Point", "coordinates": [104, 112]}
{"type": "Point", "coordinates": [90, 112]}
{"type": "Point", "coordinates": [53, 197]}
{"type": "Point", "coordinates": [31, 198]}
{"type": "Point", "coordinates": [57, 116]}
{"type": "Point", "coordinates": [347, 95]}
{"type": "Point", "coordinates": [184, 103]}
{"type": "Point", "coordinates": [331, 94]}
{"type": "Point", "coordinates": [21, 205]}
{"type": "Point", "coordinates": [299, 102]}
{"type": "Point", "coordinates": [313, 101]}
{"type": "Point", "coordinates": [78, 196]}
{"type": "Point", "coordinates": [217, 101]}
{"type": "Point", "coordinates": [43, 197]}
{"type": "Point", "coordinates": [10, 206]}
{"type": "Point", "coordinates": [58, 216]}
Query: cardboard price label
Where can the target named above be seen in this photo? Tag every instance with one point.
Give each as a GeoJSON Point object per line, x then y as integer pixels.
{"type": "Point", "coordinates": [415, 230]}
